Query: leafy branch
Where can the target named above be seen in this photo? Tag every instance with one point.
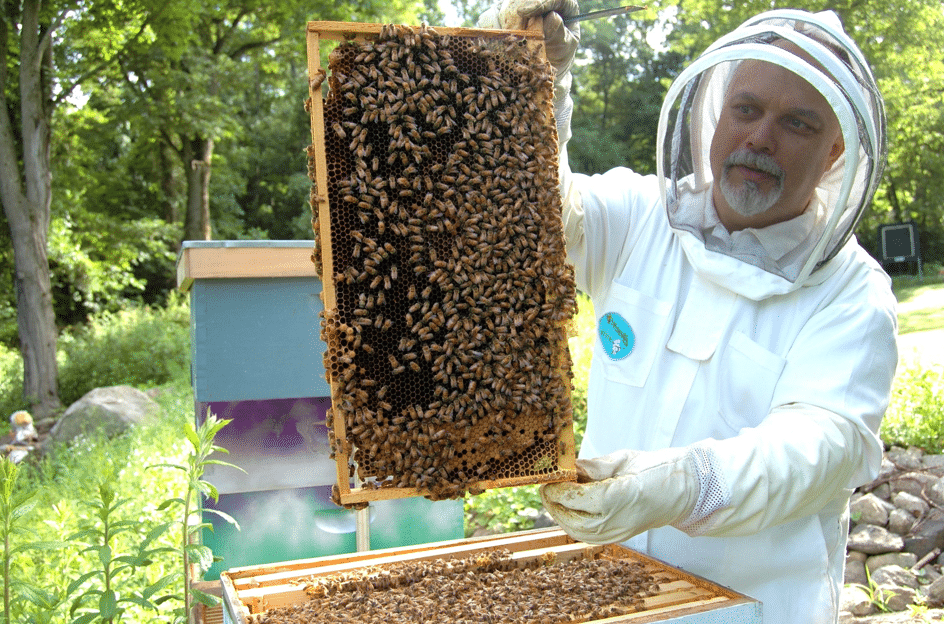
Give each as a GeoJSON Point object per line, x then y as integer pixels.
{"type": "Point", "coordinates": [192, 553]}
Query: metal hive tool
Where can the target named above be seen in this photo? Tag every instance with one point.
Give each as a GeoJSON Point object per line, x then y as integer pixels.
{"type": "Point", "coordinates": [439, 239]}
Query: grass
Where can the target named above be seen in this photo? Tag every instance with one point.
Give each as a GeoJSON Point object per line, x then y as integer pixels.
{"type": "Point", "coordinates": [63, 584]}
{"type": "Point", "coordinates": [920, 303]}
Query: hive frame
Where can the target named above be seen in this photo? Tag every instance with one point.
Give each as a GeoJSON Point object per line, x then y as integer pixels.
{"type": "Point", "coordinates": [248, 592]}
{"type": "Point", "coordinates": [344, 31]}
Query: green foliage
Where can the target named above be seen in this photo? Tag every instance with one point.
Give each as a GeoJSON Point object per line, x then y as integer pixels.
{"type": "Point", "coordinates": [619, 85]}
{"type": "Point", "coordinates": [503, 510]}
{"type": "Point", "coordinates": [138, 346]}
{"type": "Point", "coordinates": [99, 533]}
{"type": "Point", "coordinates": [119, 550]}
{"type": "Point", "coordinates": [189, 522]}
{"type": "Point", "coordinates": [102, 263]}
{"type": "Point", "coordinates": [915, 416]}
{"type": "Point", "coordinates": [877, 596]}
{"type": "Point", "coordinates": [11, 382]}
{"type": "Point", "coordinates": [14, 504]}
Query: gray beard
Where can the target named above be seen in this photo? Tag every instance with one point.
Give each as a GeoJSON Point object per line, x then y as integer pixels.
{"type": "Point", "coordinates": [747, 199]}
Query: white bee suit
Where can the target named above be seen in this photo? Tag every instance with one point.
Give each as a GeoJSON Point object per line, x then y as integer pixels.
{"type": "Point", "coordinates": [766, 357]}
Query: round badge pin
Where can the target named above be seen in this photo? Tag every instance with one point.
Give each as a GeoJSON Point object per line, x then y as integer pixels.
{"type": "Point", "coordinates": [616, 336]}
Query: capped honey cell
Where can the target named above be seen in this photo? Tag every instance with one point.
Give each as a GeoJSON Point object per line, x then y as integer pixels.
{"type": "Point", "coordinates": [450, 292]}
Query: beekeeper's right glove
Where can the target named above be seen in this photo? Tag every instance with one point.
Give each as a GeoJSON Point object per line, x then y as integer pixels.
{"type": "Point", "coordinates": [629, 493]}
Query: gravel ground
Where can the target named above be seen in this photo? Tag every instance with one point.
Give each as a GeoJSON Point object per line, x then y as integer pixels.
{"type": "Point", "coordinates": [931, 616]}
{"type": "Point", "coordinates": [928, 348]}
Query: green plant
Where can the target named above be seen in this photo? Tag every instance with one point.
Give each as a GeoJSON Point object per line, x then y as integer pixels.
{"type": "Point", "coordinates": [15, 504]}
{"type": "Point", "coordinates": [101, 532]}
{"type": "Point", "coordinates": [11, 382]}
{"type": "Point", "coordinates": [915, 415]}
{"type": "Point", "coordinates": [919, 611]}
{"type": "Point", "coordinates": [191, 552]}
{"type": "Point", "coordinates": [138, 346]}
{"type": "Point", "coordinates": [877, 596]}
{"type": "Point", "coordinates": [503, 510]}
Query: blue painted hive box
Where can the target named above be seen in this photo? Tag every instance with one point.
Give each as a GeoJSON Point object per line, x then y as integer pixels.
{"type": "Point", "coordinates": [257, 360]}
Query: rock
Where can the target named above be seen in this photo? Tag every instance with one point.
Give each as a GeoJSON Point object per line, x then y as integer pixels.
{"type": "Point", "coordinates": [936, 493]}
{"type": "Point", "coordinates": [870, 509]}
{"type": "Point", "coordinates": [935, 593]}
{"type": "Point", "coordinates": [898, 559]}
{"type": "Point", "coordinates": [874, 540]}
{"type": "Point", "coordinates": [933, 462]}
{"type": "Point", "coordinates": [887, 468]}
{"type": "Point", "coordinates": [897, 597]}
{"type": "Point", "coordinates": [855, 572]}
{"type": "Point", "coordinates": [855, 601]}
{"type": "Point", "coordinates": [909, 502]}
{"type": "Point", "coordinates": [926, 535]}
{"type": "Point", "coordinates": [906, 459]}
{"type": "Point", "coordinates": [883, 491]}
{"type": "Point", "coordinates": [900, 521]}
{"type": "Point", "coordinates": [894, 575]}
{"type": "Point", "coordinates": [914, 483]}
{"type": "Point", "coordinates": [106, 411]}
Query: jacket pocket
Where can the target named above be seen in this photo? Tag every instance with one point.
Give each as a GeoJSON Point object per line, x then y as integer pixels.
{"type": "Point", "coordinates": [751, 375]}
{"type": "Point", "coordinates": [631, 332]}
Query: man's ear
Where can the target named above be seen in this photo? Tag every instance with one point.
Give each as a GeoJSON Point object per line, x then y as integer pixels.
{"type": "Point", "coordinates": [835, 152]}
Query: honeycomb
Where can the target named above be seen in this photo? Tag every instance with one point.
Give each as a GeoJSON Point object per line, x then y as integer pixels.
{"type": "Point", "coordinates": [447, 337]}
{"type": "Point", "coordinates": [488, 587]}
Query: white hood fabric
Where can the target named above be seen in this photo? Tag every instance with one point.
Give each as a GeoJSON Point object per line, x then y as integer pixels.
{"type": "Point", "coordinates": [768, 354]}
{"type": "Point", "coordinates": [691, 112]}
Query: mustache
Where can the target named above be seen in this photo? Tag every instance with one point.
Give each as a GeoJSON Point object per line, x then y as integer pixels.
{"type": "Point", "coordinates": [761, 162]}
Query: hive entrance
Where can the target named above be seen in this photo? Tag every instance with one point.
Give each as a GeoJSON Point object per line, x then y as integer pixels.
{"type": "Point", "coordinates": [439, 239]}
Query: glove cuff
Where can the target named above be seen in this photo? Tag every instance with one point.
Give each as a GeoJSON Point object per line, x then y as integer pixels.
{"type": "Point", "coordinates": [713, 491]}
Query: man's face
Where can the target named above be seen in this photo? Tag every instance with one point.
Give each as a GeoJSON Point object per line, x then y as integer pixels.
{"type": "Point", "coordinates": [775, 139]}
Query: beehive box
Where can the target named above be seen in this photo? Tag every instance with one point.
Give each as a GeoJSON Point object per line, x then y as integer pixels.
{"type": "Point", "coordinates": [439, 239]}
{"type": "Point", "coordinates": [535, 576]}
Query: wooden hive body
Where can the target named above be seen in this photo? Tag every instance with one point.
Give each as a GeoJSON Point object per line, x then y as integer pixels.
{"type": "Point", "coordinates": [264, 594]}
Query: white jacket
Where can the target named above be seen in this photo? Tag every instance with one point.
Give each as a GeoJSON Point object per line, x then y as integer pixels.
{"type": "Point", "coordinates": [782, 394]}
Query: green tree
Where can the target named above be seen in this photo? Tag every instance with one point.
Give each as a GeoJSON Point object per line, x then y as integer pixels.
{"type": "Point", "coordinates": [38, 73]}
{"type": "Point", "coordinates": [619, 86]}
{"type": "Point", "coordinates": [218, 76]}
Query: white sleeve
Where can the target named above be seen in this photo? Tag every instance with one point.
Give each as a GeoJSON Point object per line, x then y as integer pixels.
{"type": "Point", "coordinates": [819, 440]}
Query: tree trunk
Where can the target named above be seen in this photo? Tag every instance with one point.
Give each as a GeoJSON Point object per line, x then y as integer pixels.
{"type": "Point", "coordinates": [169, 182]}
{"type": "Point", "coordinates": [892, 193]}
{"type": "Point", "coordinates": [26, 196]}
{"type": "Point", "coordinates": [197, 157]}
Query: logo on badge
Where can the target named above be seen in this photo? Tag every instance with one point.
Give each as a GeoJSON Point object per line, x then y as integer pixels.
{"type": "Point", "coordinates": [616, 336]}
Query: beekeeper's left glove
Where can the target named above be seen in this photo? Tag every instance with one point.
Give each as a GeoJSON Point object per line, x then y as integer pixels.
{"type": "Point", "coordinates": [629, 492]}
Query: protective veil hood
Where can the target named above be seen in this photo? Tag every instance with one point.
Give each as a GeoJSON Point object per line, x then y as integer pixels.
{"type": "Point", "coordinates": [782, 257]}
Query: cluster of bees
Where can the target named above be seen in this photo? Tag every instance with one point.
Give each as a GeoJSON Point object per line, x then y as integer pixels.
{"type": "Point", "coordinates": [447, 346]}
{"type": "Point", "coordinates": [476, 589]}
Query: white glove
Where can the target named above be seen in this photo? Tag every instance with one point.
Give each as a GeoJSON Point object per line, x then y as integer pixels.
{"type": "Point", "coordinates": [630, 492]}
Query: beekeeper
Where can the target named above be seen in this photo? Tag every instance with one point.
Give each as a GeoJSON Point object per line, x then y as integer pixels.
{"type": "Point", "coordinates": [745, 342]}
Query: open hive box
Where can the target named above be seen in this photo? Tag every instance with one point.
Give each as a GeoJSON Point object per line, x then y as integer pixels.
{"type": "Point", "coordinates": [439, 240]}
{"type": "Point", "coordinates": [531, 577]}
